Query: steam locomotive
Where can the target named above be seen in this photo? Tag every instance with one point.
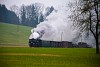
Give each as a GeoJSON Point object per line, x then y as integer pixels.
{"type": "Point", "coordinates": [43, 43]}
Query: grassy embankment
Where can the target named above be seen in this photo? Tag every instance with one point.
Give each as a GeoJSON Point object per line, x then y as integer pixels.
{"type": "Point", "coordinates": [11, 34]}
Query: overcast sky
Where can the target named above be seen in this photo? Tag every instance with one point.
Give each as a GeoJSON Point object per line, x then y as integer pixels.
{"type": "Point", "coordinates": [54, 3]}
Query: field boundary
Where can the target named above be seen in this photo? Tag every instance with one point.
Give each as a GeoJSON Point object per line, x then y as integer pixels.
{"type": "Point", "coordinates": [28, 54]}
{"type": "Point", "coordinates": [11, 45]}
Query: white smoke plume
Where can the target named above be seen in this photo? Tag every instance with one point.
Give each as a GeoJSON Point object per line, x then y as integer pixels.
{"type": "Point", "coordinates": [55, 28]}
{"type": "Point", "coordinates": [34, 35]}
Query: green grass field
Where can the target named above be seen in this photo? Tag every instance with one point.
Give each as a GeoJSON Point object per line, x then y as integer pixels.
{"type": "Point", "coordinates": [48, 57]}
{"type": "Point", "coordinates": [11, 55]}
{"type": "Point", "coordinates": [11, 35]}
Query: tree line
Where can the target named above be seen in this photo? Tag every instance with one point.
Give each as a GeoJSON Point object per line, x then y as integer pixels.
{"type": "Point", "coordinates": [32, 15]}
{"type": "Point", "coordinates": [8, 16]}
{"type": "Point", "coordinates": [29, 15]}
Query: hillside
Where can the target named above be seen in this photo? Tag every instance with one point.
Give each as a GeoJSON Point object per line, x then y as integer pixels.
{"type": "Point", "coordinates": [14, 34]}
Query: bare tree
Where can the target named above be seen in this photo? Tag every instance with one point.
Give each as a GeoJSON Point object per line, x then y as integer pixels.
{"type": "Point", "coordinates": [23, 15]}
{"type": "Point", "coordinates": [86, 18]}
{"type": "Point", "coordinates": [15, 9]}
{"type": "Point", "coordinates": [33, 13]}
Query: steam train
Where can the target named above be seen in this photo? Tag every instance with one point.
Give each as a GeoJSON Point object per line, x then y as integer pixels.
{"type": "Point", "coordinates": [43, 43]}
{"type": "Point", "coordinates": [62, 44]}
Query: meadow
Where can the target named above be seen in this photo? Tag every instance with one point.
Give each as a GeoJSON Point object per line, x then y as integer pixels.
{"type": "Point", "coordinates": [14, 51]}
{"type": "Point", "coordinates": [48, 57]}
{"type": "Point", "coordinates": [11, 34]}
